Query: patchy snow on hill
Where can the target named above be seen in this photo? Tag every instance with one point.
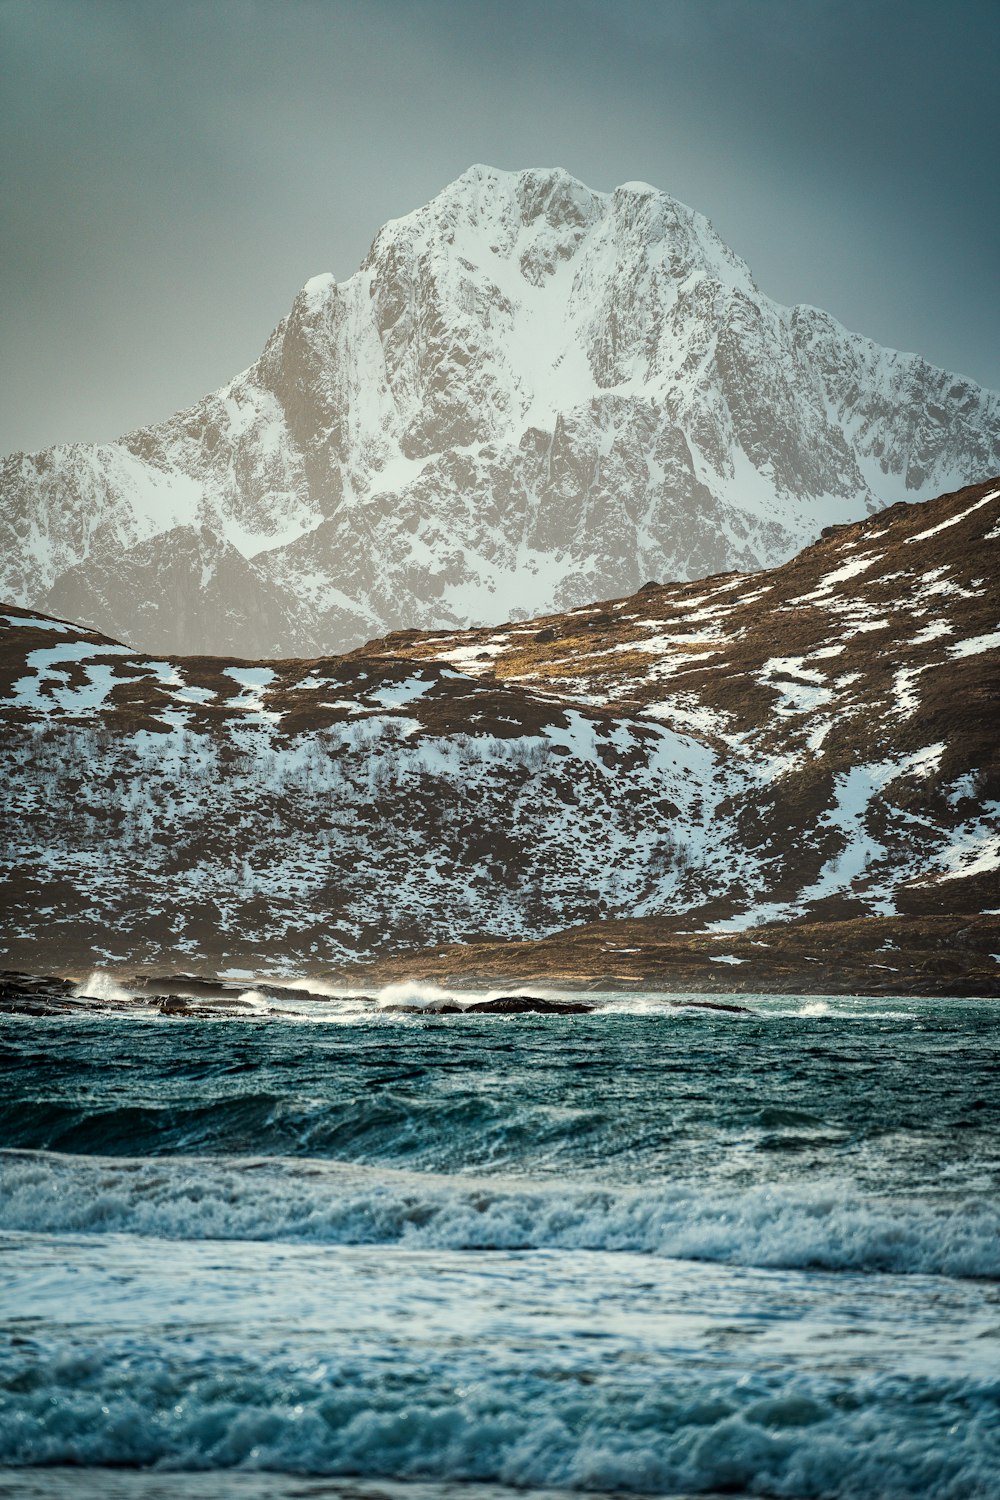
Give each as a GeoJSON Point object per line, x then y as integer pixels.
{"type": "Point", "coordinates": [722, 753]}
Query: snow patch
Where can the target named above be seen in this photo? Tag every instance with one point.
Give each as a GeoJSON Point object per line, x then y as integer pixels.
{"type": "Point", "coordinates": [976, 644]}
{"type": "Point", "coordinates": [840, 575]}
{"type": "Point", "coordinates": [921, 536]}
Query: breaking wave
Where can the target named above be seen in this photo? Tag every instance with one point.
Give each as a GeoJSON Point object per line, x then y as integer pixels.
{"type": "Point", "coordinates": [614, 1256]}
{"type": "Point", "coordinates": [826, 1228]}
{"type": "Point", "coordinates": [774, 1432]}
{"type": "Point", "coordinates": [102, 986]}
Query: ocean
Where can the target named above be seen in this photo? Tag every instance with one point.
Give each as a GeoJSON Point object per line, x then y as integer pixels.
{"type": "Point", "coordinates": [648, 1250]}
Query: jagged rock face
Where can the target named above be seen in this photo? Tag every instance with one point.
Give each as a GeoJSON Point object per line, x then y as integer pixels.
{"type": "Point", "coordinates": [817, 741]}
{"type": "Point", "coordinates": [179, 587]}
{"type": "Point", "coordinates": [529, 396]}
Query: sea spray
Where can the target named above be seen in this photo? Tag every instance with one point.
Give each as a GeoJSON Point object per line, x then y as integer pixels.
{"type": "Point", "coordinates": [101, 985]}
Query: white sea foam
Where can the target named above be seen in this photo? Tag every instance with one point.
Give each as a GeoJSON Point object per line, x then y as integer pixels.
{"type": "Point", "coordinates": [413, 993]}
{"type": "Point", "coordinates": [348, 1002]}
{"type": "Point", "coordinates": [550, 1419]}
{"type": "Point", "coordinates": [829, 1226]}
{"type": "Point", "coordinates": [255, 1000]}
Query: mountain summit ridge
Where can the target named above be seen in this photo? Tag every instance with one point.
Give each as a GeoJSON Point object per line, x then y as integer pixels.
{"type": "Point", "coordinates": [529, 395]}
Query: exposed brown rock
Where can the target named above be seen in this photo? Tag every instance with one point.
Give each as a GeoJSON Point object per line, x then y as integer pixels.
{"type": "Point", "coordinates": [898, 956]}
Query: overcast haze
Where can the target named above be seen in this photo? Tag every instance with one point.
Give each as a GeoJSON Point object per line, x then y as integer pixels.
{"type": "Point", "coordinates": [173, 171]}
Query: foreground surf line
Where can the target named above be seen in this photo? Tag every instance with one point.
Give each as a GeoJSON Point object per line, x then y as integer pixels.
{"type": "Point", "coordinates": [828, 1226]}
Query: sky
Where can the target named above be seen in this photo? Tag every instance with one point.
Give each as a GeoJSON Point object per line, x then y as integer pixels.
{"type": "Point", "coordinates": [174, 170]}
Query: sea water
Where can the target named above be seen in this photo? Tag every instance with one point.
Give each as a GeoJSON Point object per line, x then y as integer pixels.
{"type": "Point", "coordinates": [646, 1250]}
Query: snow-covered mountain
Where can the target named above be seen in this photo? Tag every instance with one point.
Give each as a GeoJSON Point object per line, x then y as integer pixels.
{"type": "Point", "coordinates": [530, 395]}
{"type": "Point", "coordinates": [813, 742]}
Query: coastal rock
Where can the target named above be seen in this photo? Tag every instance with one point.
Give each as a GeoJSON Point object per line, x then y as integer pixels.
{"type": "Point", "coordinates": [738, 1010]}
{"type": "Point", "coordinates": [34, 995]}
{"type": "Point", "coordinates": [522, 1005]}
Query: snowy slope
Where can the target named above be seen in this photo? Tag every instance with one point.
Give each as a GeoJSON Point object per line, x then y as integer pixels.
{"type": "Point", "coordinates": [530, 395]}
{"type": "Point", "coordinates": [814, 741]}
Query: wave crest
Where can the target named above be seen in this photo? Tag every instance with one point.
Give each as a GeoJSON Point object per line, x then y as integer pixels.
{"type": "Point", "coordinates": [828, 1228]}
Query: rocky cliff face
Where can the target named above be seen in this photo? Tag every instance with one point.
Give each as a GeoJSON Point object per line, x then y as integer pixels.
{"type": "Point", "coordinates": [530, 395]}
{"type": "Point", "coordinates": [815, 742]}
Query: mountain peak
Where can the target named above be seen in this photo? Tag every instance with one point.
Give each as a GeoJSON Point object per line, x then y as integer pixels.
{"type": "Point", "coordinates": [530, 395]}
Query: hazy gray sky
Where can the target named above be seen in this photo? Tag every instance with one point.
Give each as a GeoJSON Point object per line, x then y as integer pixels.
{"type": "Point", "coordinates": [174, 170]}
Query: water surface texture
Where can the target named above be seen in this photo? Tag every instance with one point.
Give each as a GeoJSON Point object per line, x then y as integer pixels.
{"type": "Point", "coordinates": [644, 1250]}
